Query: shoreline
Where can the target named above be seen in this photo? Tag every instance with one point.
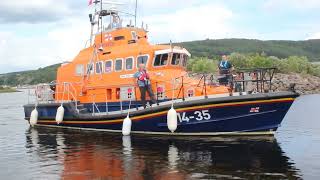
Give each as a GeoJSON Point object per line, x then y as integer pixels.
{"type": "Point", "coordinates": [8, 90]}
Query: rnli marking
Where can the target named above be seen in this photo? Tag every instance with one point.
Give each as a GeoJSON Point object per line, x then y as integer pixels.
{"type": "Point", "coordinates": [125, 76]}
{"type": "Point", "coordinates": [108, 37]}
{"type": "Point", "coordinates": [197, 115]}
{"type": "Point", "coordinates": [255, 110]}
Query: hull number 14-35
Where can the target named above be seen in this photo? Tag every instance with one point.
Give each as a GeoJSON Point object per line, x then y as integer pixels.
{"type": "Point", "coordinates": [197, 115]}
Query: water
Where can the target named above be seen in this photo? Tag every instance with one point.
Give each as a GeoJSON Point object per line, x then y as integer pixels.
{"type": "Point", "coordinates": [44, 153]}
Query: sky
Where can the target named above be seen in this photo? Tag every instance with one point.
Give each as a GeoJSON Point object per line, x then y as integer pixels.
{"type": "Point", "coordinates": [37, 33]}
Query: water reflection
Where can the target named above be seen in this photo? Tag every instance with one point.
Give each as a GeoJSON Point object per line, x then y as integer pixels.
{"type": "Point", "coordinates": [96, 155]}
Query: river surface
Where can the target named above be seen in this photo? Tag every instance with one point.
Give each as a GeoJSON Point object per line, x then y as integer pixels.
{"type": "Point", "coordinates": [49, 153]}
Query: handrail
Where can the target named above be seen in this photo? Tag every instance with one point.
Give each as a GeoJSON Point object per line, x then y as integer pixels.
{"type": "Point", "coordinates": [73, 96]}
{"type": "Point", "coordinates": [71, 91]}
{"type": "Point", "coordinates": [45, 93]}
{"type": "Point", "coordinates": [94, 105]}
{"type": "Point", "coordinates": [181, 89]}
{"type": "Point", "coordinates": [262, 76]}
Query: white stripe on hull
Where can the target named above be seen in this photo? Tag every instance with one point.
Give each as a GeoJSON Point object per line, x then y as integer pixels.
{"type": "Point", "coordinates": [235, 133]}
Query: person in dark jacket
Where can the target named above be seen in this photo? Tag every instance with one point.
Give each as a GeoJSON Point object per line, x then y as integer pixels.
{"type": "Point", "coordinates": [144, 84]}
{"type": "Point", "coordinates": [225, 66]}
{"type": "Point", "coordinates": [225, 71]}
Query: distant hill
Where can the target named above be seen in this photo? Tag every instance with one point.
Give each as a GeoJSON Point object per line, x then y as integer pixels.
{"type": "Point", "coordinates": [282, 49]}
{"type": "Point", "coordinates": [42, 75]}
{"type": "Point", "coordinates": [205, 48]}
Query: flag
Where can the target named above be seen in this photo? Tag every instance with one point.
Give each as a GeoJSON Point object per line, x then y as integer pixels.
{"type": "Point", "coordinates": [90, 2]}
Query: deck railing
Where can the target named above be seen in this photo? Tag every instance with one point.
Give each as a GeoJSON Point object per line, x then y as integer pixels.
{"type": "Point", "coordinates": [67, 92]}
{"type": "Point", "coordinates": [46, 93]}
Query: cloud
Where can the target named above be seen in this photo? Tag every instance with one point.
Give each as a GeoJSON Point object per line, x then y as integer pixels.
{"type": "Point", "coordinates": [206, 21]}
{"type": "Point", "coordinates": [315, 36]}
{"type": "Point", "coordinates": [36, 11]}
{"type": "Point", "coordinates": [62, 40]}
{"type": "Point", "coordinates": [292, 4]}
{"type": "Point", "coordinates": [59, 44]}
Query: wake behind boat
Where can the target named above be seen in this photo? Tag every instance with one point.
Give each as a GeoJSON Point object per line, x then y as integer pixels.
{"type": "Point", "coordinates": [98, 89]}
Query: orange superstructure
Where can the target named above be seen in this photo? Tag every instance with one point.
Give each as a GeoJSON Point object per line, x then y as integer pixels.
{"type": "Point", "coordinates": [104, 71]}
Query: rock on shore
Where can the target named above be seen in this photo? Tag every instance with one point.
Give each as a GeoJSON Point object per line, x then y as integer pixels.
{"type": "Point", "coordinates": [305, 84]}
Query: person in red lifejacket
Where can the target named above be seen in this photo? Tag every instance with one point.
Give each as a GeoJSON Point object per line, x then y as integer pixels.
{"type": "Point", "coordinates": [144, 84]}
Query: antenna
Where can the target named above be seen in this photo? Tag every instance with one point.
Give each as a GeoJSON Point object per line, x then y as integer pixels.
{"type": "Point", "coordinates": [135, 14]}
{"type": "Point", "coordinates": [101, 28]}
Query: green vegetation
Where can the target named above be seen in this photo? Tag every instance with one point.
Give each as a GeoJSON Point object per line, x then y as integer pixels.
{"type": "Point", "coordinates": [292, 64]}
{"type": "Point", "coordinates": [202, 65]}
{"type": "Point", "coordinates": [282, 49]}
{"type": "Point", "coordinates": [7, 90]}
{"type": "Point", "coordinates": [42, 75]}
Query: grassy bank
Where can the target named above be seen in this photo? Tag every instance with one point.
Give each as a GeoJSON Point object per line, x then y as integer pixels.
{"type": "Point", "coordinates": [7, 90]}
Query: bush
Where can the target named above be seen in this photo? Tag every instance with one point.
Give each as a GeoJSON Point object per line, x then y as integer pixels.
{"type": "Point", "coordinates": [203, 65]}
{"type": "Point", "coordinates": [294, 64]}
{"type": "Point", "coordinates": [239, 60]}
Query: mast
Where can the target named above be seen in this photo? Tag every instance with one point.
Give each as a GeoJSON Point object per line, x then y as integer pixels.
{"type": "Point", "coordinates": [135, 14]}
{"type": "Point", "coordinates": [101, 28]}
{"type": "Point", "coordinates": [98, 17]}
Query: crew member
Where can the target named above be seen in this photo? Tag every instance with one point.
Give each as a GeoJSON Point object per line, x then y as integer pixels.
{"type": "Point", "coordinates": [225, 70]}
{"type": "Point", "coordinates": [144, 84]}
{"type": "Point", "coordinates": [225, 66]}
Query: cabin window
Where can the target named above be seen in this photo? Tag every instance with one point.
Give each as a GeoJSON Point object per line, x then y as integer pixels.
{"type": "Point", "coordinates": [90, 68]}
{"type": "Point", "coordinates": [142, 60]}
{"type": "Point", "coordinates": [108, 66]}
{"type": "Point", "coordinates": [134, 35]}
{"type": "Point", "coordinates": [129, 63]}
{"type": "Point", "coordinates": [118, 65]}
{"type": "Point", "coordinates": [184, 60]}
{"type": "Point", "coordinates": [79, 69]}
{"type": "Point", "coordinates": [98, 67]}
{"type": "Point", "coordinates": [161, 60]}
{"type": "Point", "coordinates": [175, 59]}
{"type": "Point", "coordinates": [118, 38]}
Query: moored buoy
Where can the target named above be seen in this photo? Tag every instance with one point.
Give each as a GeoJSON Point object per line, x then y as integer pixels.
{"type": "Point", "coordinates": [60, 114]}
{"type": "Point", "coordinates": [172, 120]}
{"type": "Point", "coordinates": [34, 117]}
{"type": "Point", "coordinates": [126, 126]}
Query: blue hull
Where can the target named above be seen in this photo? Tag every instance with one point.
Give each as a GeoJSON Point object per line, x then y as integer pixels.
{"type": "Point", "coordinates": [245, 114]}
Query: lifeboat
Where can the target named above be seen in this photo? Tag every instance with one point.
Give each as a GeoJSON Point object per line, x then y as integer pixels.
{"type": "Point", "coordinates": [98, 90]}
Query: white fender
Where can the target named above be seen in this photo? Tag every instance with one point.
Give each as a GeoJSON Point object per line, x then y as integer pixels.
{"type": "Point", "coordinates": [60, 114]}
{"type": "Point", "coordinates": [126, 126]}
{"type": "Point", "coordinates": [172, 120]}
{"type": "Point", "coordinates": [34, 117]}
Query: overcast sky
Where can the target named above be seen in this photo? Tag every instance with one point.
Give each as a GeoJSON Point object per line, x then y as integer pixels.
{"type": "Point", "coordinates": [37, 33]}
